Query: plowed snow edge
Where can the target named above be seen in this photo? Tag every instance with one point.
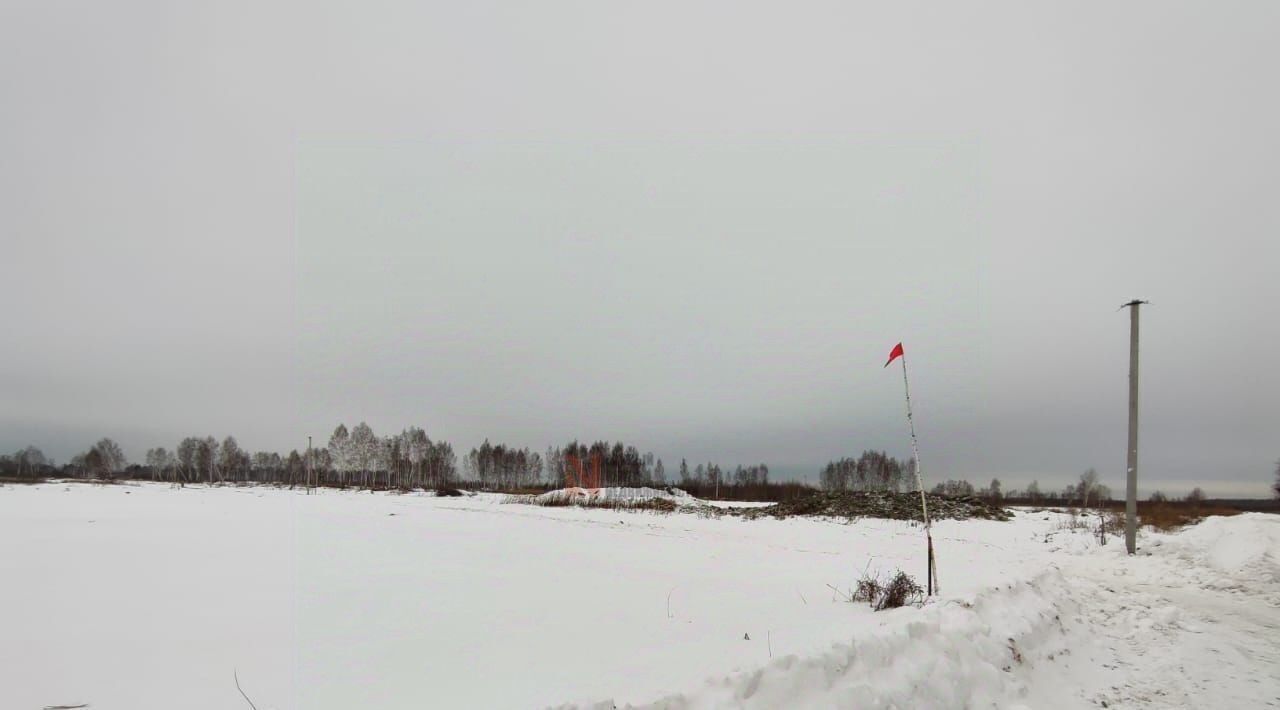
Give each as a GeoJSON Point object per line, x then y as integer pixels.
{"type": "Point", "coordinates": [954, 654]}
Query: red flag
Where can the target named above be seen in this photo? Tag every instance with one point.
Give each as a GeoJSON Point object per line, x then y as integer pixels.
{"type": "Point", "coordinates": [894, 354]}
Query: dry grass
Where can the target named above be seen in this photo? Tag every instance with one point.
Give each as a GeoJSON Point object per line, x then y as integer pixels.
{"type": "Point", "coordinates": [1172, 516]}
{"type": "Point", "coordinates": [1163, 516]}
{"type": "Point", "coordinates": [1101, 523]}
{"type": "Point", "coordinates": [899, 591]}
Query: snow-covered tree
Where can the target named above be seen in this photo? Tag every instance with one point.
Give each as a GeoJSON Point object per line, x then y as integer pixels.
{"type": "Point", "coordinates": [387, 459]}
{"type": "Point", "coordinates": [443, 463]}
{"type": "Point", "coordinates": [340, 453]}
{"type": "Point", "coordinates": [415, 447]}
{"type": "Point", "coordinates": [365, 450]}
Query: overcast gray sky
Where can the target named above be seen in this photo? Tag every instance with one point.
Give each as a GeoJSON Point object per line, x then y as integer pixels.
{"type": "Point", "coordinates": [697, 227]}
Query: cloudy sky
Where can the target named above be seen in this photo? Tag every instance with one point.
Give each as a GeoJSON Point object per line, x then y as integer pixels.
{"type": "Point", "coordinates": [697, 227]}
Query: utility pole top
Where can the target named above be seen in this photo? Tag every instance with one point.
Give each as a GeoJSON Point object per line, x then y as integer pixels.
{"type": "Point", "coordinates": [1134, 302]}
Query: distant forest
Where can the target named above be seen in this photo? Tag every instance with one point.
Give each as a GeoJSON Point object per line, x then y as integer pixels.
{"type": "Point", "coordinates": [410, 460]}
{"type": "Point", "coordinates": [359, 458]}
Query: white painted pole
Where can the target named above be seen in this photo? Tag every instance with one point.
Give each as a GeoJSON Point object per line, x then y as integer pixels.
{"type": "Point", "coordinates": [924, 502]}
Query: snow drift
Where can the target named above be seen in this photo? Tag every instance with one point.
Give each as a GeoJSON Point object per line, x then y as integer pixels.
{"type": "Point", "coordinates": [948, 654]}
{"type": "Point", "coordinates": [617, 497]}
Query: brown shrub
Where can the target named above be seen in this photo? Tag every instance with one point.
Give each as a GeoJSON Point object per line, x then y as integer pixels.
{"type": "Point", "coordinates": [899, 591]}
{"type": "Point", "coordinates": [868, 590]}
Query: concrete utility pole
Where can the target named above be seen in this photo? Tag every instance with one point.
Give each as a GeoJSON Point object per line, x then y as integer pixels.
{"type": "Point", "coordinates": [1131, 488]}
{"type": "Point", "coordinates": [309, 482]}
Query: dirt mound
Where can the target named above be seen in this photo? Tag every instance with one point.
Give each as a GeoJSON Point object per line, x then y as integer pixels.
{"type": "Point", "coordinates": [878, 504]}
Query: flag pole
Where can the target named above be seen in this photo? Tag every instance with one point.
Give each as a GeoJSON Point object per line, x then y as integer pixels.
{"type": "Point", "coordinates": [924, 503]}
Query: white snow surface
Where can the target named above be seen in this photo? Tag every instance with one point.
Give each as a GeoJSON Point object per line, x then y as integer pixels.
{"type": "Point", "coordinates": [146, 596]}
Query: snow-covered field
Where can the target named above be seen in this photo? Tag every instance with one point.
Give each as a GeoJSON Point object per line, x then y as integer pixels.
{"type": "Point", "coordinates": [145, 596]}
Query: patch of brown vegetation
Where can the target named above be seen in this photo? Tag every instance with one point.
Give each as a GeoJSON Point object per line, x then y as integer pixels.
{"type": "Point", "coordinates": [1172, 516]}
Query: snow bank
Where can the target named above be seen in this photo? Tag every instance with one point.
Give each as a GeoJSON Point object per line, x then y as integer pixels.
{"type": "Point", "coordinates": [616, 496]}
{"type": "Point", "coordinates": [1186, 622]}
{"type": "Point", "coordinates": [1232, 553]}
{"type": "Point", "coordinates": [1096, 629]}
{"type": "Point", "coordinates": [1233, 545]}
{"type": "Point", "coordinates": [948, 654]}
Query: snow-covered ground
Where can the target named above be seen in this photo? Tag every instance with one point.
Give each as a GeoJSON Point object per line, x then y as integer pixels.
{"type": "Point", "coordinates": [145, 596]}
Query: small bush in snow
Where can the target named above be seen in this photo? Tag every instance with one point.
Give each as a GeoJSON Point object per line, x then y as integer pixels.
{"type": "Point", "coordinates": [868, 590]}
{"type": "Point", "coordinates": [900, 590]}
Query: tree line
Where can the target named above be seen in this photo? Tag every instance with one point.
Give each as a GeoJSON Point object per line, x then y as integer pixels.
{"type": "Point", "coordinates": [872, 471]}
{"type": "Point", "coordinates": [876, 471]}
{"type": "Point", "coordinates": [411, 460]}
{"type": "Point", "coordinates": [1086, 491]}
{"type": "Point", "coordinates": [355, 457]}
